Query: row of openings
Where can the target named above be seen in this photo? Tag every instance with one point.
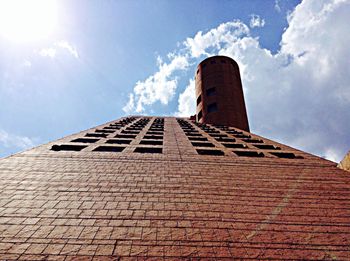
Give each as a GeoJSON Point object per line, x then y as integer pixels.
{"type": "Point", "coordinates": [134, 129]}
{"type": "Point", "coordinates": [66, 147]}
{"type": "Point", "coordinates": [223, 138]}
{"type": "Point", "coordinates": [154, 136]}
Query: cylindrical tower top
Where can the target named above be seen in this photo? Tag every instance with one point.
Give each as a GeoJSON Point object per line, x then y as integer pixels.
{"type": "Point", "coordinates": [219, 93]}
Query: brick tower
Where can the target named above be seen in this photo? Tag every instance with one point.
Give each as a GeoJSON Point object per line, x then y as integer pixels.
{"type": "Point", "coordinates": [219, 93]}
{"type": "Point", "coordinates": [166, 188]}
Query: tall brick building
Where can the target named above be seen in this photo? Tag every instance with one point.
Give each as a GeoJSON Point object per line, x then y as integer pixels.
{"type": "Point", "coordinates": [165, 187]}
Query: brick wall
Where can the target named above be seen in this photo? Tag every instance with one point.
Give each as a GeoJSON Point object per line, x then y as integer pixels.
{"type": "Point", "coordinates": [171, 189]}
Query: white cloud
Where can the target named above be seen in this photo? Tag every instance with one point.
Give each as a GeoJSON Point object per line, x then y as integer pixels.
{"type": "Point", "coordinates": [187, 104]}
{"type": "Point", "coordinates": [277, 6]}
{"type": "Point", "coordinates": [160, 86]}
{"type": "Point", "coordinates": [48, 52]}
{"type": "Point", "coordinates": [61, 45]}
{"type": "Point", "coordinates": [256, 21]}
{"type": "Point", "coordinates": [8, 140]}
{"type": "Point", "coordinates": [26, 63]}
{"type": "Point", "coordinates": [70, 48]}
{"type": "Point", "coordinates": [299, 96]}
{"type": "Point", "coordinates": [130, 106]}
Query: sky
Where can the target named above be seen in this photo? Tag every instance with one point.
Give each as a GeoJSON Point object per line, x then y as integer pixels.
{"type": "Point", "coordinates": [66, 66]}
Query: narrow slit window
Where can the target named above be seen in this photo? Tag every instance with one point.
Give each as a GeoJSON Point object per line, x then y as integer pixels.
{"type": "Point", "coordinates": [199, 116]}
{"type": "Point", "coordinates": [199, 99]}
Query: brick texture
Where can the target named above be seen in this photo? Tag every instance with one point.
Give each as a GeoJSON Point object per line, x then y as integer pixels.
{"type": "Point", "coordinates": [171, 200]}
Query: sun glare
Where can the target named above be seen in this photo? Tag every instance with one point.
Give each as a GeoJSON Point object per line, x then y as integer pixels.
{"type": "Point", "coordinates": [27, 20]}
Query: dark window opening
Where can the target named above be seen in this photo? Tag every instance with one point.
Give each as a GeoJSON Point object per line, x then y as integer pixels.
{"type": "Point", "coordinates": [153, 137]}
{"type": "Point", "coordinates": [234, 132]}
{"type": "Point", "coordinates": [199, 116]}
{"type": "Point", "coordinates": [155, 132]}
{"type": "Point", "coordinates": [118, 141]}
{"type": "Point", "coordinates": [285, 155]}
{"type": "Point", "coordinates": [210, 152]}
{"type": "Point", "coordinates": [105, 131]}
{"type": "Point", "coordinates": [212, 107]}
{"type": "Point", "coordinates": [130, 132]}
{"type": "Point", "coordinates": [199, 99]}
{"type": "Point", "coordinates": [211, 91]}
{"type": "Point", "coordinates": [235, 145]}
{"type": "Point", "coordinates": [202, 144]}
{"type": "Point", "coordinates": [192, 133]}
{"type": "Point", "coordinates": [198, 138]}
{"type": "Point", "coordinates": [100, 135]}
{"type": "Point", "coordinates": [253, 141]}
{"type": "Point", "coordinates": [151, 142]}
{"type": "Point", "coordinates": [126, 136]}
{"type": "Point", "coordinates": [242, 136]}
{"type": "Point", "coordinates": [267, 147]}
{"type": "Point", "coordinates": [85, 140]}
{"type": "Point", "coordinates": [223, 139]}
{"type": "Point", "coordinates": [197, 71]}
{"type": "Point", "coordinates": [112, 128]}
{"type": "Point", "coordinates": [148, 150]}
{"type": "Point", "coordinates": [109, 149]}
{"type": "Point", "coordinates": [254, 154]}
{"type": "Point", "coordinates": [68, 147]}
{"type": "Point", "coordinates": [217, 135]}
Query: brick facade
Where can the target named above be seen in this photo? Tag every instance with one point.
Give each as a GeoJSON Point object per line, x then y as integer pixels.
{"type": "Point", "coordinates": [161, 188]}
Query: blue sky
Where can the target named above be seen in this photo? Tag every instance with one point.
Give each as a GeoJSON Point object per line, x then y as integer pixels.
{"type": "Point", "coordinates": [66, 66]}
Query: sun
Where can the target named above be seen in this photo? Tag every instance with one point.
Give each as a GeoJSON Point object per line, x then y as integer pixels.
{"type": "Point", "coordinates": [27, 20]}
